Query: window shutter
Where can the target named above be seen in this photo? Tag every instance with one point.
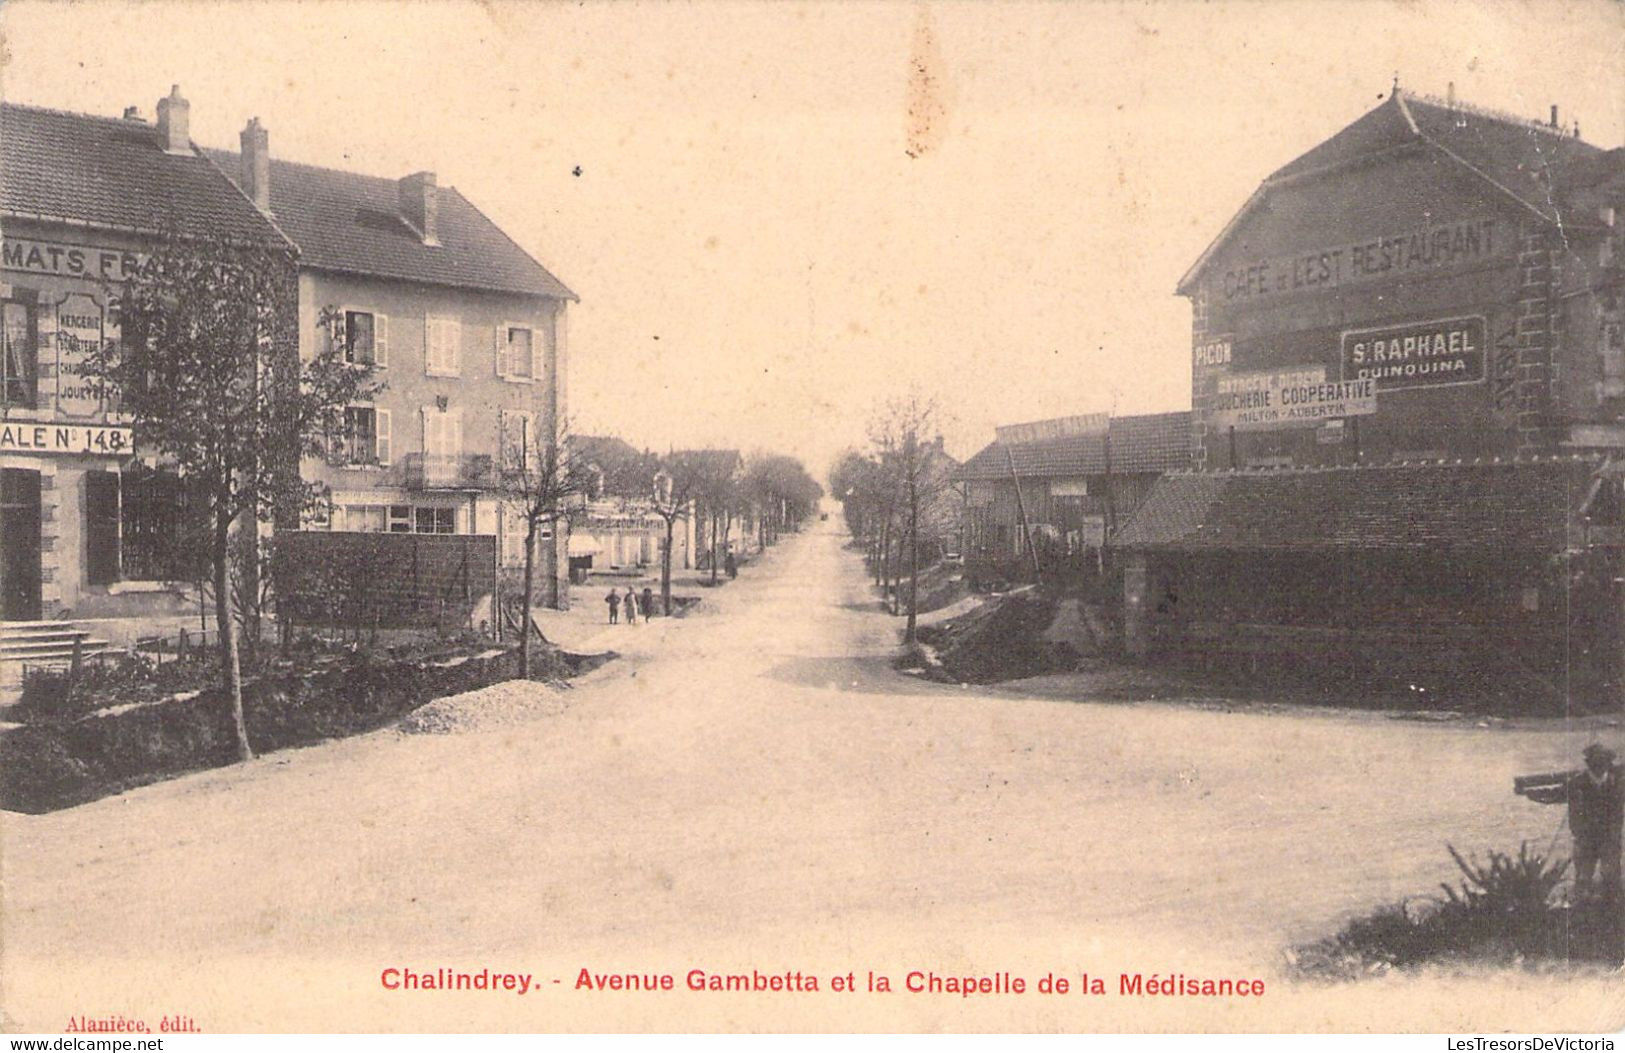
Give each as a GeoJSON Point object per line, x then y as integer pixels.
{"type": "Point", "coordinates": [384, 443]}
{"type": "Point", "coordinates": [456, 422]}
{"type": "Point", "coordinates": [101, 527]}
{"type": "Point", "coordinates": [427, 413]}
{"type": "Point", "coordinates": [335, 332]}
{"type": "Point", "coordinates": [499, 348]}
{"type": "Point", "coordinates": [428, 349]}
{"type": "Point", "coordinates": [454, 333]}
{"type": "Point", "coordinates": [380, 340]}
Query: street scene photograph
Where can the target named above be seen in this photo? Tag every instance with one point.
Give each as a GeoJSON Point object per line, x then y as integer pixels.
{"type": "Point", "coordinates": [809, 517]}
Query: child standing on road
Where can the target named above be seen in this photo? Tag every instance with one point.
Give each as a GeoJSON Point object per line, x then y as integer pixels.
{"type": "Point", "coordinates": [614, 601]}
{"type": "Point", "coordinates": [631, 603]}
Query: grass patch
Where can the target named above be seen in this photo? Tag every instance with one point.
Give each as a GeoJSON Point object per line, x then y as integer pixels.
{"type": "Point", "coordinates": [1507, 911]}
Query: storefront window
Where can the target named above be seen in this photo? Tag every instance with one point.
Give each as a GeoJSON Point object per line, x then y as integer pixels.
{"type": "Point", "coordinates": [437, 520]}
{"type": "Point", "coordinates": [19, 354]}
{"type": "Point", "coordinates": [159, 536]}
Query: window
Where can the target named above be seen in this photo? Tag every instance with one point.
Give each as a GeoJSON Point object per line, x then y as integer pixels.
{"type": "Point", "coordinates": [437, 520]}
{"type": "Point", "coordinates": [443, 346]}
{"type": "Point", "coordinates": [442, 434]}
{"type": "Point", "coordinates": [513, 538]}
{"type": "Point", "coordinates": [366, 436]}
{"type": "Point", "coordinates": [518, 439]}
{"type": "Point", "coordinates": [516, 353]}
{"type": "Point", "coordinates": [366, 337]}
{"type": "Point", "coordinates": [158, 530]}
{"type": "Point", "coordinates": [395, 519]}
{"type": "Point", "coordinates": [19, 355]}
{"type": "Point", "coordinates": [367, 519]}
{"type": "Point", "coordinates": [101, 527]}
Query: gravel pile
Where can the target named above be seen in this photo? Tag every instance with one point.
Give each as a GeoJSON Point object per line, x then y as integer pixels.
{"type": "Point", "coordinates": [498, 706]}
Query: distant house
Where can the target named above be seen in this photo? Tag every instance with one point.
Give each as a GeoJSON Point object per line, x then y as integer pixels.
{"type": "Point", "coordinates": [1069, 482]}
{"type": "Point", "coordinates": [620, 530]}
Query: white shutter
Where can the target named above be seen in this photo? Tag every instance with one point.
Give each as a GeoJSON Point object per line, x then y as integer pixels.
{"type": "Point", "coordinates": [428, 356]}
{"type": "Point", "coordinates": [428, 434]}
{"type": "Point", "coordinates": [380, 340]}
{"type": "Point", "coordinates": [499, 347]}
{"type": "Point", "coordinates": [383, 440]}
{"type": "Point", "coordinates": [456, 422]}
{"type": "Point", "coordinates": [335, 332]}
{"type": "Point", "coordinates": [455, 357]}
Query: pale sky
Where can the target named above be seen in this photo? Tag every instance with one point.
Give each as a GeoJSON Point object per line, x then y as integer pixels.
{"type": "Point", "coordinates": [758, 255]}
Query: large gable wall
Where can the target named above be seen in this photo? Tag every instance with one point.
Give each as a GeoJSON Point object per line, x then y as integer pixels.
{"type": "Point", "coordinates": [1410, 237]}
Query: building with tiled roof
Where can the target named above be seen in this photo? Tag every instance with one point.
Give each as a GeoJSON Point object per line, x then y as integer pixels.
{"type": "Point", "coordinates": [1065, 482]}
{"type": "Point", "coordinates": [1400, 344]}
{"type": "Point", "coordinates": [84, 201]}
{"type": "Point", "coordinates": [467, 330]}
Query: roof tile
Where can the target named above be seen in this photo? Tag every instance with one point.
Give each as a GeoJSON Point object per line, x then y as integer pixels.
{"type": "Point", "coordinates": [1515, 506]}
{"type": "Point", "coordinates": [112, 173]}
{"type": "Point", "coordinates": [348, 222]}
{"type": "Point", "coordinates": [1156, 442]}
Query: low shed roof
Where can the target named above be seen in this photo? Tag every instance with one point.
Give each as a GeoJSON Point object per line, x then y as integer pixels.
{"type": "Point", "coordinates": [1482, 506]}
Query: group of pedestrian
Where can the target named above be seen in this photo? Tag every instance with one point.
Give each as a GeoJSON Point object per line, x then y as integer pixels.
{"type": "Point", "coordinates": [632, 604]}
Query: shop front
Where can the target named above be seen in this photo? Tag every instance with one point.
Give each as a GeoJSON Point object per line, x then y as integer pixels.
{"type": "Point", "coordinates": [66, 503]}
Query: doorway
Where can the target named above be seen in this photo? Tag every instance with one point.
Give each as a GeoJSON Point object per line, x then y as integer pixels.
{"type": "Point", "coordinates": [19, 545]}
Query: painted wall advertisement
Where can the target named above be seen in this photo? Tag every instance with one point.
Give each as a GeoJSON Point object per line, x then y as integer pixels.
{"type": "Point", "coordinates": [50, 438]}
{"type": "Point", "coordinates": [1379, 257]}
{"type": "Point", "coordinates": [1417, 354]}
{"type": "Point", "coordinates": [1290, 398]}
{"type": "Point", "coordinates": [80, 330]}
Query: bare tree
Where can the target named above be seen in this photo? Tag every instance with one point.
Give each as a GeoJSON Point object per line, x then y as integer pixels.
{"type": "Point", "coordinates": [915, 472]}
{"type": "Point", "coordinates": [676, 485]}
{"type": "Point", "coordinates": [542, 479]}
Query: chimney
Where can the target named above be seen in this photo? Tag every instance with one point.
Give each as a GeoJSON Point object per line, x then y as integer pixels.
{"type": "Point", "coordinates": [133, 113]}
{"type": "Point", "coordinates": [175, 122]}
{"type": "Point", "coordinates": [256, 152]}
{"type": "Point", "coordinates": [419, 204]}
{"type": "Point", "coordinates": [1554, 115]}
{"type": "Point", "coordinates": [1450, 95]}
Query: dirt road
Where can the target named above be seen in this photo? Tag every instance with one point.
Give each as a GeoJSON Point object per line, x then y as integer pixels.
{"type": "Point", "coordinates": [753, 790]}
